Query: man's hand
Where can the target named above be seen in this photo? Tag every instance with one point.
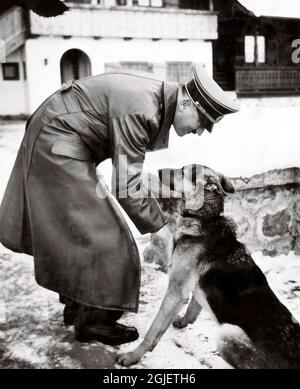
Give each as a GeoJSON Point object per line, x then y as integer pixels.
{"type": "Point", "coordinates": [167, 237]}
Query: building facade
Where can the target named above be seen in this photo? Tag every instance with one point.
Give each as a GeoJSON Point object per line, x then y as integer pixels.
{"type": "Point", "coordinates": [254, 53]}
{"type": "Point", "coordinates": [164, 37]}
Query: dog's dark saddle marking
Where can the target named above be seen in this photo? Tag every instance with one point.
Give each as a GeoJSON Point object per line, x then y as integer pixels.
{"type": "Point", "coordinates": [238, 292]}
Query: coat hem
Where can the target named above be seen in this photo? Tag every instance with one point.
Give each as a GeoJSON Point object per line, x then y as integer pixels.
{"type": "Point", "coordinates": [133, 310]}
{"type": "Point", "coordinates": [10, 246]}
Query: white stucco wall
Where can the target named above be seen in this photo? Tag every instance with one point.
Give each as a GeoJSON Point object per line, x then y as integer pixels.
{"type": "Point", "coordinates": [263, 136]}
{"type": "Point", "coordinates": [45, 79]}
{"type": "Point", "coordinates": [13, 94]}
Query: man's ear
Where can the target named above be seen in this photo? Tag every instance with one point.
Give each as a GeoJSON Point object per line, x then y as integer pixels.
{"type": "Point", "coordinates": [226, 184]}
{"type": "Point", "coordinates": [186, 102]}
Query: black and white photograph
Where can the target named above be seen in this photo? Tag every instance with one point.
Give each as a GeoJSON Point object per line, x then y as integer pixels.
{"type": "Point", "coordinates": [150, 186]}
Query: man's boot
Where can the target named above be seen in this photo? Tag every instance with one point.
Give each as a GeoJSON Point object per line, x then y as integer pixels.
{"type": "Point", "coordinates": [100, 325]}
{"type": "Point", "coordinates": [70, 310]}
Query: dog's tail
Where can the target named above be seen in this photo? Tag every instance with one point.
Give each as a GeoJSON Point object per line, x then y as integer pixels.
{"type": "Point", "coordinates": [238, 350]}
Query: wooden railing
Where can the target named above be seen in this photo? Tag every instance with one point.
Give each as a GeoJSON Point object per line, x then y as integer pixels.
{"type": "Point", "coordinates": [12, 29]}
{"type": "Point", "coordinates": [123, 22]}
{"type": "Point", "coordinates": [271, 80]}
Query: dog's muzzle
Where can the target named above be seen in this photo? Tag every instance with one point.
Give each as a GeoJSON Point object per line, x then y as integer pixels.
{"type": "Point", "coordinates": [211, 187]}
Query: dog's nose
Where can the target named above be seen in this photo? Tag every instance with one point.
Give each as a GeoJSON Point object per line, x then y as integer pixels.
{"type": "Point", "coordinates": [211, 187]}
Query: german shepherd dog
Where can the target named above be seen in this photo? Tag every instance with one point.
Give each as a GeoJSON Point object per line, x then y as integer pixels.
{"type": "Point", "coordinates": [255, 329]}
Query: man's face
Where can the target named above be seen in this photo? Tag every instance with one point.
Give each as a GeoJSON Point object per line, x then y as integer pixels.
{"type": "Point", "coordinates": [187, 120]}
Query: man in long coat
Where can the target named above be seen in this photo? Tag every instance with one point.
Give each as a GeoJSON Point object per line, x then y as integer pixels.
{"type": "Point", "coordinates": [56, 210]}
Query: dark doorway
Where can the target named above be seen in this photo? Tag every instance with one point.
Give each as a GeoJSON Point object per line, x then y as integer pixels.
{"type": "Point", "coordinates": [74, 64]}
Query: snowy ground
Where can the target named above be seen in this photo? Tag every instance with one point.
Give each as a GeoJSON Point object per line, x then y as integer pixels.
{"type": "Point", "coordinates": [32, 334]}
{"type": "Point", "coordinates": [31, 331]}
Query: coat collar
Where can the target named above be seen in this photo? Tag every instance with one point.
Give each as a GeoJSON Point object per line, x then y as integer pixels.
{"type": "Point", "coordinates": [170, 102]}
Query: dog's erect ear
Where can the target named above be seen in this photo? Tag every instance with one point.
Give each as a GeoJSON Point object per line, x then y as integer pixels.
{"type": "Point", "coordinates": [226, 184]}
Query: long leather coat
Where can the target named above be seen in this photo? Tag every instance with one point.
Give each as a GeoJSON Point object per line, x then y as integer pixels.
{"type": "Point", "coordinates": [55, 208]}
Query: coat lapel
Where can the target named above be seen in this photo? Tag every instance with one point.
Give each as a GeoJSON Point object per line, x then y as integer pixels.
{"type": "Point", "coordinates": [170, 101]}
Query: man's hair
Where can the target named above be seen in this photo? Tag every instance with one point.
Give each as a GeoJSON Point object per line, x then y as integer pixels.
{"type": "Point", "coordinates": [186, 100]}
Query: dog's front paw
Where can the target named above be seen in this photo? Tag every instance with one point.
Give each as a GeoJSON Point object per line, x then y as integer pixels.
{"type": "Point", "coordinates": [128, 359]}
{"type": "Point", "coordinates": [180, 322]}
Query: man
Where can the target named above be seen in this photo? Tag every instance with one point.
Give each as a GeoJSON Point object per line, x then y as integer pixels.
{"type": "Point", "coordinates": [55, 209]}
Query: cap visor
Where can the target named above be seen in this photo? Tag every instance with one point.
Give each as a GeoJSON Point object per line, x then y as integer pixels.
{"type": "Point", "coordinates": [205, 122]}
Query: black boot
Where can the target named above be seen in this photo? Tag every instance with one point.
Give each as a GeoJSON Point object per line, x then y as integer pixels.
{"type": "Point", "coordinates": [70, 312]}
{"type": "Point", "coordinates": [100, 325]}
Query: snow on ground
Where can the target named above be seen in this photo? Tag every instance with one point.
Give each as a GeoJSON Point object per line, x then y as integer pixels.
{"type": "Point", "coordinates": [32, 334]}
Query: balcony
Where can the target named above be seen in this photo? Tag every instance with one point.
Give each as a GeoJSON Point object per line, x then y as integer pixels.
{"type": "Point", "coordinates": [120, 22]}
{"type": "Point", "coordinates": [268, 81]}
{"type": "Point", "coordinates": [12, 29]}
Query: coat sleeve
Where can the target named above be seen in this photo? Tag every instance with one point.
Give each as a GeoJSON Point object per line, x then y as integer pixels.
{"type": "Point", "coordinates": [129, 143]}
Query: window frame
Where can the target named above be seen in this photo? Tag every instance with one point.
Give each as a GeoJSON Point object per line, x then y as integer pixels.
{"type": "Point", "coordinates": [16, 67]}
{"type": "Point", "coordinates": [121, 3]}
{"type": "Point", "coordinates": [150, 3]}
{"type": "Point", "coordinates": [183, 71]}
{"type": "Point", "coordinates": [255, 49]}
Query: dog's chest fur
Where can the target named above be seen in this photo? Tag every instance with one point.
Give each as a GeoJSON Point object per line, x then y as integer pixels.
{"type": "Point", "coordinates": [220, 250]}
{"type": "Point", "coordinates": [188, 226]}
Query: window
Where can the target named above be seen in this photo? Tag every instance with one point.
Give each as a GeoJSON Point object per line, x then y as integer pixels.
{"type": "Point", "coordinates": [249, 49]}
{"type": "Point", "coordinates": [195, 4]}
{"type": "Point", "coordinates": [92, 2]}
{"type": "Point", "coordinates": [157, 3]}
{"type": "Point", "coordinates": [149, 3]}
{"type": "Point", "coordinates": [11, 71]}
{"type": "Point", "coordinates": [24, 71]}
{"type": "Point", "coordinates": [261, 49]}
{"type": "Point", "coordinates": [181, 72]}
{"type": "Point", "coordinates": [121, 2]}
{"type": "Point", "coordinates": [139, 66]}
{"type": "Point", "coordinates": [255, 49]}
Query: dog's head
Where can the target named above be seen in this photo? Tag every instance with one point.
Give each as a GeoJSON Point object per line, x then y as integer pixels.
{"type": "Point", "coordinates": [202, 189]}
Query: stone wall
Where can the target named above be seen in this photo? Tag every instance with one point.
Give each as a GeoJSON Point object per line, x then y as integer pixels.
{"type": "Point", "coordinates": [266, 208]}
